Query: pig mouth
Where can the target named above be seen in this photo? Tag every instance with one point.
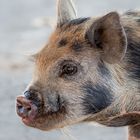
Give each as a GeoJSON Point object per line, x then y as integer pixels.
{"type": "Point", "coordinates": [36, 117]}
{"type": "Point", "coordinates": [46, 121]}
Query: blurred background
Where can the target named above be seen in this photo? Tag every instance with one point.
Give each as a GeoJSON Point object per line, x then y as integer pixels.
{"type": "Point", "coordinates": [22, 33]}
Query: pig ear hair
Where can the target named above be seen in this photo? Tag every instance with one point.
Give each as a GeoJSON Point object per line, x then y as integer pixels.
{"type": "Point", "coordinates": [65, 11]}
{"type": "Point", "coordinates": [108, 35]}
{"type": "Point", "coordinates": [123, 120]}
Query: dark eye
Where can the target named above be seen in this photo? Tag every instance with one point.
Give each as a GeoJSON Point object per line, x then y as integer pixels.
{"type": "Point", "coordinates": [69, 69]}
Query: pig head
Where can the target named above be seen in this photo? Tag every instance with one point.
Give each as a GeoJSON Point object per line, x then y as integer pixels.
{"type": "Point", "coordinates": [88, 71]}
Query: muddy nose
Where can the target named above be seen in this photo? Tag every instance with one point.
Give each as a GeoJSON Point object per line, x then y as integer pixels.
{"type": "Point", "coordinates": [25, 108]}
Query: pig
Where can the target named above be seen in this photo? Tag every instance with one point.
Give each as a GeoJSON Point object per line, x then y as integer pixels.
{"type": "Point", "coordinates": [88, 71]}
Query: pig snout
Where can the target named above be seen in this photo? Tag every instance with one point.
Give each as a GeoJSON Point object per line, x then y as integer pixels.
{"type": "Point", "coordinates": [26, 108]}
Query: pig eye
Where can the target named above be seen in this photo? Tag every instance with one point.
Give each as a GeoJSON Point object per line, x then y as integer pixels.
{"type": "Point", "coordinates": [69, 69]}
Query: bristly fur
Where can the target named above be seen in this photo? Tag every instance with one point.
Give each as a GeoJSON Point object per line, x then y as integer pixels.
{"type": "Point", "coordinates": [97, 97]}
{"type": "Point", "coordinates": [133, 48]}
{"type": "Point", "coordinates": [102, 68]}
{"type": "Point", "coordinates": [134, 59]}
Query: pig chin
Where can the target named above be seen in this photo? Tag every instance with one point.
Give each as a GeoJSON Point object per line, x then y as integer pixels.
{"type": "Point", "coordinates": [53, 121]}
{"type": "Point", "coordinates": [47, 121]}
{"type": "Point", "coordinates": [48, 124]}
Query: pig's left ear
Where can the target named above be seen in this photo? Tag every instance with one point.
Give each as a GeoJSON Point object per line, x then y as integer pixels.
{"type": "Point", "coordinates": [108, 35]}
{"type": "Point", "coordinates": [65, 11]}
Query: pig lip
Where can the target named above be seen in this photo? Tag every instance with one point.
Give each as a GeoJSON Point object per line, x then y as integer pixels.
{"type": "Point", "coordinates": [27, 121]}
{"type": "Point", "coordinates": [31, 116]}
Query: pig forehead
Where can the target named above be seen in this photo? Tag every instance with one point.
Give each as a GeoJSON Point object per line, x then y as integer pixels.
{"type": "Point", "coordinates": [62, 44]}
{"type": "Point", "coordinates": [67, 34]}
{"type": "Point", "coordinates": [49, 55]}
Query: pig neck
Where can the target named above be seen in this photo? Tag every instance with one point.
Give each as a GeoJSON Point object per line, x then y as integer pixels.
{"type": "Point", "coordinates": [126, 87]}
{"type": "Point", "coordinates": [125, 84]}
{"type": "Point", "coordinates": [132, 69]}
{"type": "Point", "coordinates": [126, 74]}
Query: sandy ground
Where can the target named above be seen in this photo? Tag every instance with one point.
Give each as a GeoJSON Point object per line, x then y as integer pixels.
{"type": "Point", "coordinates": [19, 37]}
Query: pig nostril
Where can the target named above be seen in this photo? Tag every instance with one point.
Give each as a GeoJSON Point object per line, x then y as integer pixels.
{"type": "Point", "coordinates": [28, 109]}
{"type": "Point", "coordinates": [19, 107]}
{"type": "Point", "coordinates": [23, 106]}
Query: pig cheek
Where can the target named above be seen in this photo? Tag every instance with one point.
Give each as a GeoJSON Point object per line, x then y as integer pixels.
{"type": "Point", "coordinates": [96, 98]}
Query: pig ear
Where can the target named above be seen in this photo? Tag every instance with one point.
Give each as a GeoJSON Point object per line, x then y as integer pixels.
{"type": "Point", "coordinates": [65, 11]}
{"type": "Point", "coordinates": [108, 35]}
